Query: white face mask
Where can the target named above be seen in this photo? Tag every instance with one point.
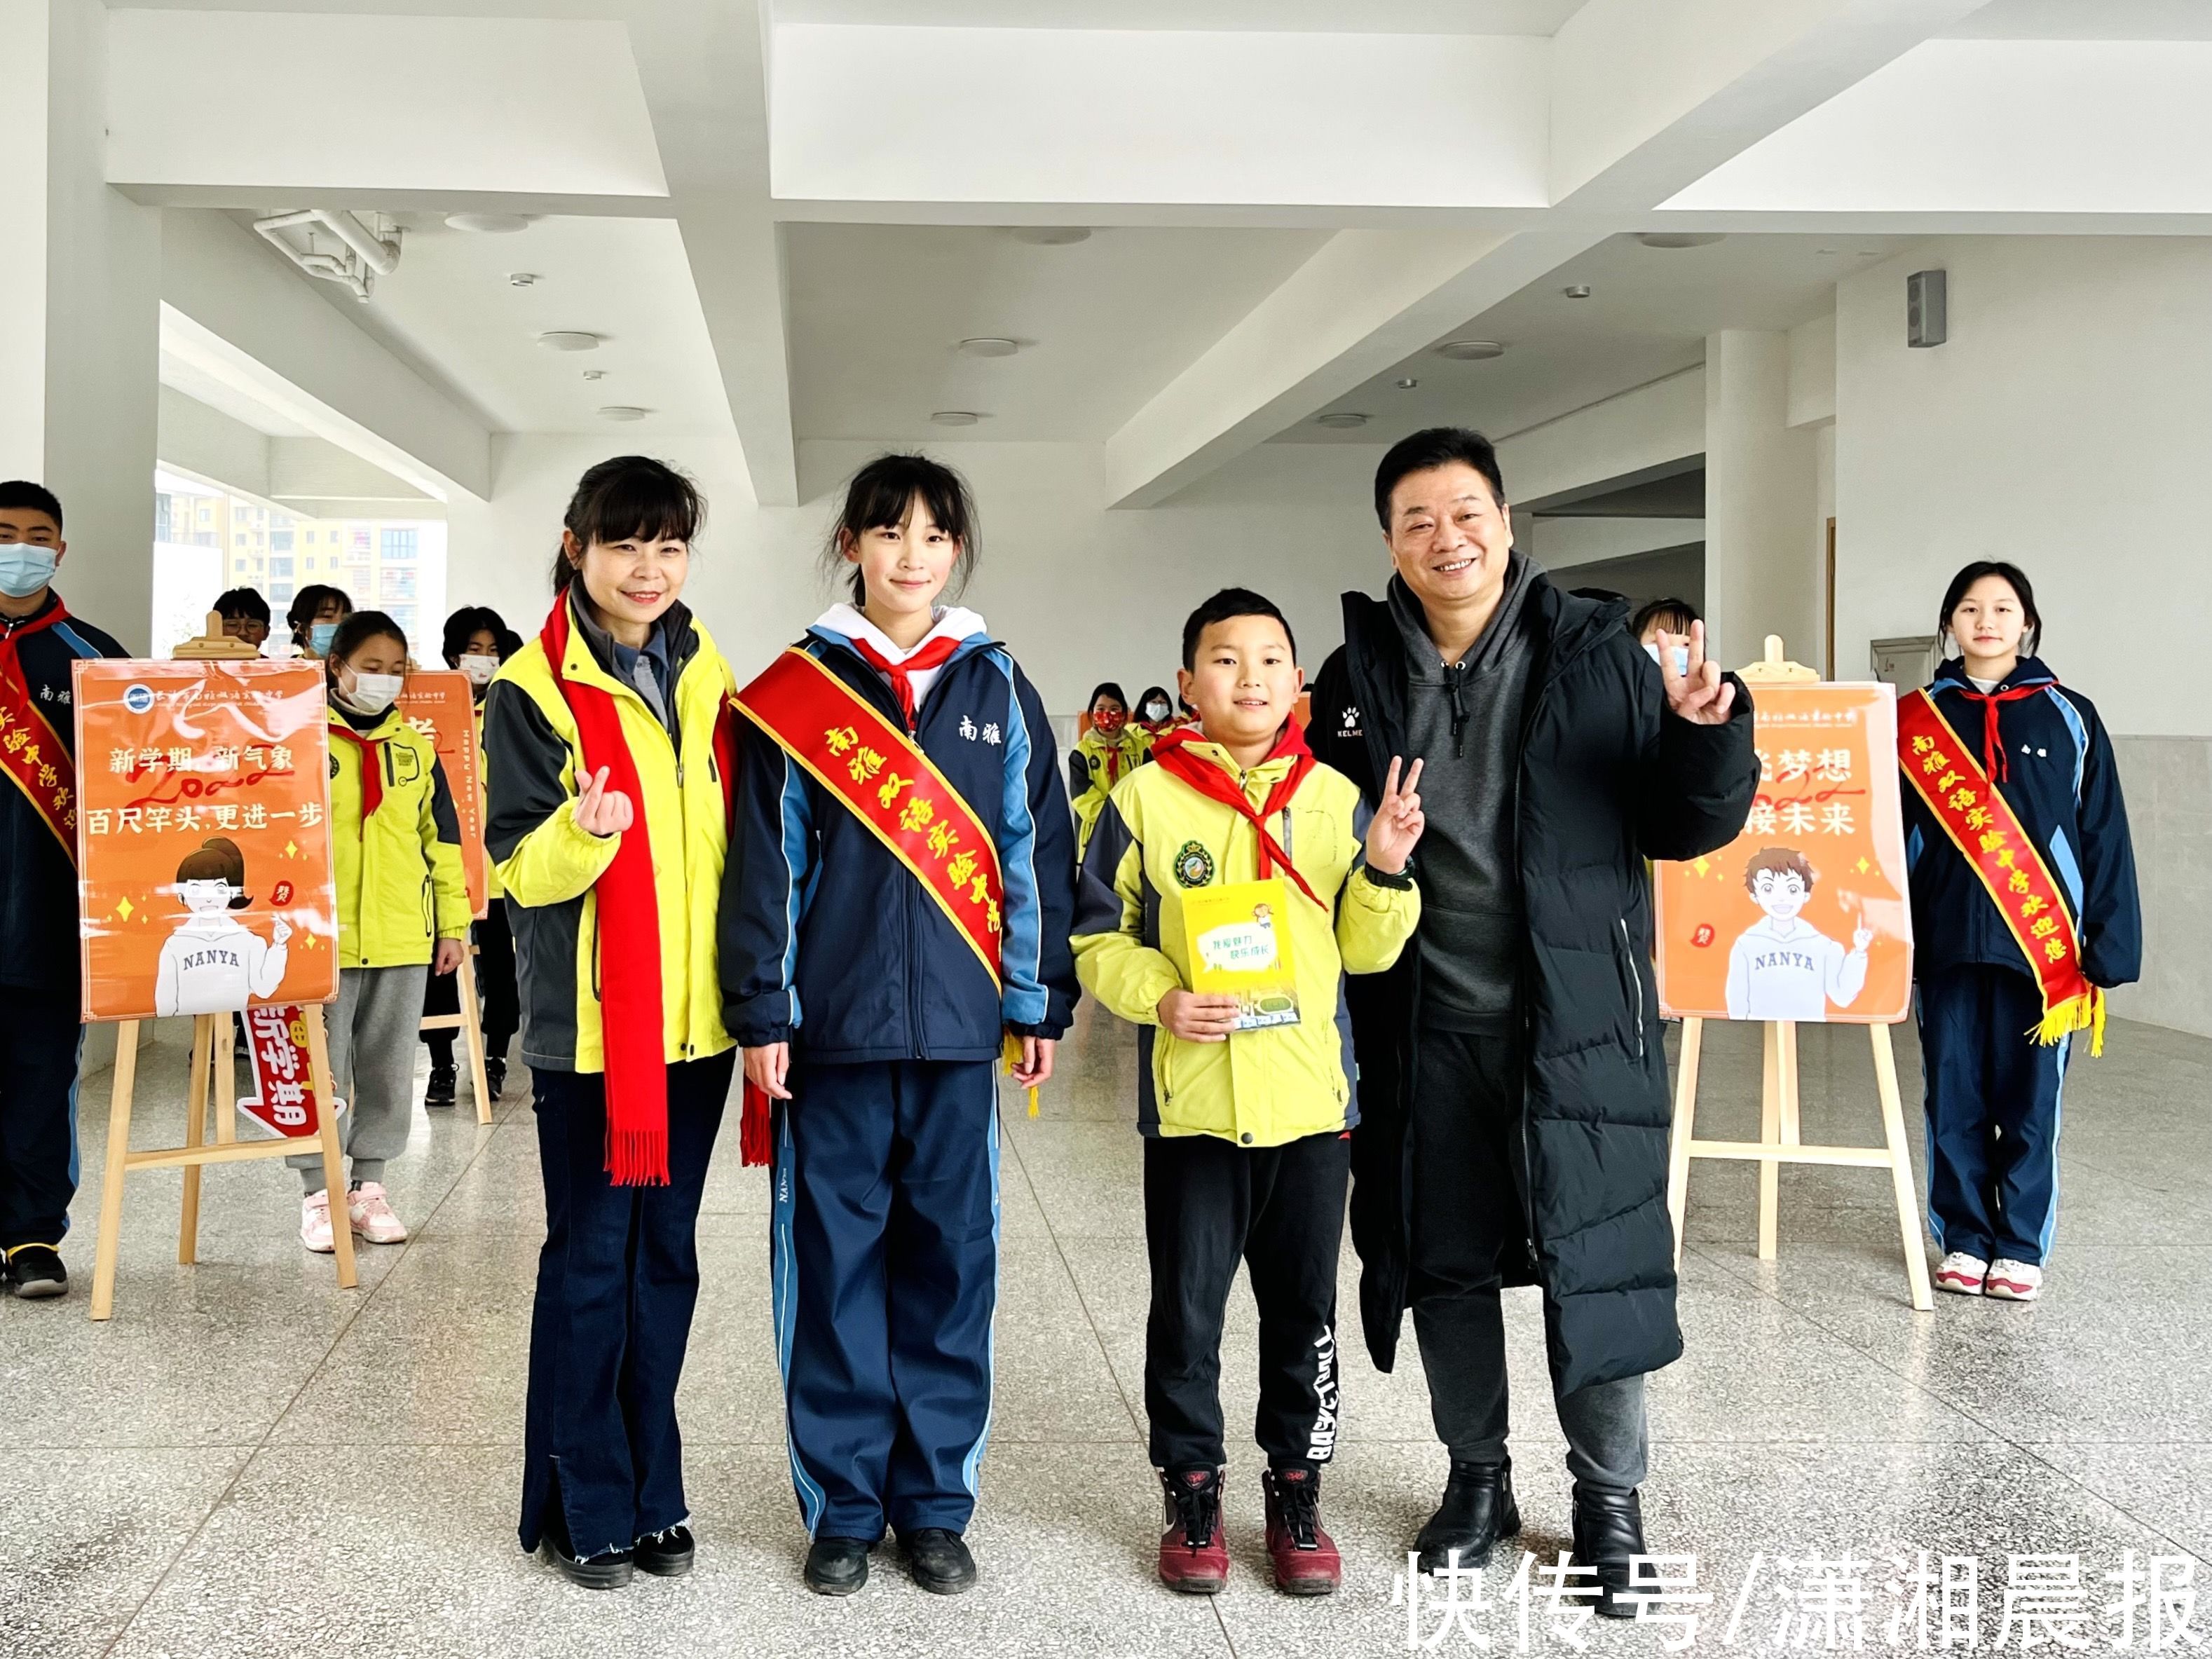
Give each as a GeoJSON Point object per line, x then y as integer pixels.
{"type": "Point", "coordinates": [1156, 711]}
{"type": "Point", "coordinates": [479, 669]}
{"type": "Point", "coordinates": [372, 694]}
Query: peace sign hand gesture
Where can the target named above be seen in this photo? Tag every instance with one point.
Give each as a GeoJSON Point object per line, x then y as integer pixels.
{"type": "Point", "coordinates": [1699, 694]}
{"type": "Point", "coordinates": [1398, 821]}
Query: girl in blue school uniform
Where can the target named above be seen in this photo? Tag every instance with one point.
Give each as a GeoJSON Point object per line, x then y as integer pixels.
{"type": "Point", "coordinates": [896, 909]}
{"type": "Point", "coordinates": [1995, 1050]}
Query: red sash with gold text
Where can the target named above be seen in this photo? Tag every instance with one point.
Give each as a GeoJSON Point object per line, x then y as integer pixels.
{"type": "Point", "coordinates": [885, 780]}
{"type": "Point", "coordinates": [1983, 826]}
{"type": "Point", "coordinates": [32, 756]}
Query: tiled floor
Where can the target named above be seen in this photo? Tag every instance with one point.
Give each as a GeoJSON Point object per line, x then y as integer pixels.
{"type": "Point", "coordinates": [248, 1461]}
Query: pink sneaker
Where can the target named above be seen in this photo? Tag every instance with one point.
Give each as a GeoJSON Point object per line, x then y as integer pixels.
{"type": "Point", "coordinates": [2014, 1282]}
{"type": "Point", "coordinates": [1961, 1274]}
{"type": "Point", "coordinates": [371, 1214]}
{"type": "Point", "coordinates": [315, 1223]}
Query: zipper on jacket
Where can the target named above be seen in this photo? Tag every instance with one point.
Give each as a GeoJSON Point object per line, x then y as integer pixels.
{"type": "Point", "coordinates": [1635, 978]}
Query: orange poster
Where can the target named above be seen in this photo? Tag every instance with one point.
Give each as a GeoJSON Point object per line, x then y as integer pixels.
{"type": "Point", "coordinates": [440, 703]}
{"type": "Point", "coordinates": [1804, 915]}
{"type": "Point", "coordinates": [204, 852]}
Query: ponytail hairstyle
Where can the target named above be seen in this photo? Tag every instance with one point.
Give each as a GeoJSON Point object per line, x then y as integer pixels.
{"type": "Point", "coordinates": [882, 494]}
{"type": "Point", "coordinates": [631, 496]}
{"type": "Point", "coordinates": [2031, 638]}
{"type": "Point", "coordinates": [217, 859]}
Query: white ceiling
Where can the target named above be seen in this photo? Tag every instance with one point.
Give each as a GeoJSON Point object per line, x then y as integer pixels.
{"type": "Point", "coordinates": [450, 310]}
{"type": "Point", "coordinates": [1647, 316]}
{"type": "Point", "coordinates": [2087, 20]}
{"type": "Point", "coordinates": [1329, 16]}
{"type": "Point", "coordinates": [219, 395]}
{"type": "Point", "coordinates": [878, 311]}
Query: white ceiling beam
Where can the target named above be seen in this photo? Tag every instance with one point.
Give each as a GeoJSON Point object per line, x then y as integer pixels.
{"type": "Point", "coordinates": [1365, 301]}
{"type": "Point", "coordinates": [233, 309]}
{"type": "Point", "coordinates": [1647, 98]}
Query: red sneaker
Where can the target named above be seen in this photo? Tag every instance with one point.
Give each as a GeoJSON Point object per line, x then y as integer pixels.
{"type": "Point", "coordinates": [1305, 1558]}
{"type": "Point", "coordinates": [1193, 1555]}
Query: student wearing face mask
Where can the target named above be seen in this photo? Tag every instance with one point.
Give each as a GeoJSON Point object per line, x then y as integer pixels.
{"type": "Point", "coordinates": [1666, 624]}
{"type": "Point", "coordinates": [316, 610]}
{"type": "Point", "coordinates": [1102, 758]}
{"type": "Point", "coordinates": [1156, 715]}
{"type": "Point", "coordinates": [402, 915]}
{"type": "Point", "coordinates": [40, 1040]}
{"type": "Point", "coordinates": [476, 643]}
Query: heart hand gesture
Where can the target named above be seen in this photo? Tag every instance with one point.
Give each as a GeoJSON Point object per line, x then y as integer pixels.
{"type": "Point", "coordinates": [600, 811]}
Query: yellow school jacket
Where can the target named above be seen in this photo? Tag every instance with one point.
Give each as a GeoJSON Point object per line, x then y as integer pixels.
{"type": "Point", "coordinates": [548, 866]}
{"type": "Point", "coordinates": [400, 887]}
{"type": "Point", "coordinates": [1089, 766]}
{"type": "Point", "coordinates": [1158, 837]}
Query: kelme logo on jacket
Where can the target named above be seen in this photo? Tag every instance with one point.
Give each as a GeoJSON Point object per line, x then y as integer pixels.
{"type": "Point", "coordinates": [1193, 866]}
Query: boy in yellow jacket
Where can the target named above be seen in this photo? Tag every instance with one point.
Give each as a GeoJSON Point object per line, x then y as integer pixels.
{"type": "Point", "coordinates": [1244, 1094]}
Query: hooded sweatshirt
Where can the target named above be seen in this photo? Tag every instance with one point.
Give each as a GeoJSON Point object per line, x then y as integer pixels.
{"type": "Point", "coordinates": [1464, 721]}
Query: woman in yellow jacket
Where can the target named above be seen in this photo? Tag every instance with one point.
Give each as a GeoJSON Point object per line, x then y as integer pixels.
{"type": "Point", "coordinates": [607, 746]}
{"type": "Point", "coordinates": [403, 913]}
{"type": "Point", "coordinates": [1102, 758]}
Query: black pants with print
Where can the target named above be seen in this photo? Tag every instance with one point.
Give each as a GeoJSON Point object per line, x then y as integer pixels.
{"type": "Point", "coordinates": [1208, 1205]}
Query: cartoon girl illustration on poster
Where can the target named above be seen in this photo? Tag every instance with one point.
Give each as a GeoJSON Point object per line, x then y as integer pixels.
{"type": "Point", "coordinates": [1781, 967]}
{"type": "Point", "coordinates": [213, 961]}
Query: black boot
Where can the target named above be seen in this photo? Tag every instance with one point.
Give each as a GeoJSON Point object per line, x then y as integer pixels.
{"type": "Point", "coordinates": [1477, 1509]}
{"type": "Point", "coordinates": [1608, 1530]}
{"type": "Point", "coordinates": [440, 1090]}
{"type": "Point", "coordinates": [495, 1076]}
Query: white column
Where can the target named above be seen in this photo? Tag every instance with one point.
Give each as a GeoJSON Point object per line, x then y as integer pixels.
{"type": "Point", "coordinates": [80, 312]}
{"type": "Point", "coordinates": [1763, 572]}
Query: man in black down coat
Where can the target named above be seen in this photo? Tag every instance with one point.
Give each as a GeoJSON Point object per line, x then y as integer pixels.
{"type": "Point", "coordinates": [1512, 1087]}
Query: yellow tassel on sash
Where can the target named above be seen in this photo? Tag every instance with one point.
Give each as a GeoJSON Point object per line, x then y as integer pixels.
{"type": "Point", "coordinates": [1013, 1058]}
{"type": "Point", "coordinates": [2082, 1013]}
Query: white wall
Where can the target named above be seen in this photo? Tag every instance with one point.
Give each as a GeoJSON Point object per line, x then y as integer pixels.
{"type": "Point", "coordinates": [1082, 594]}
{"type": "Point", "coordinates": [2064, 426]}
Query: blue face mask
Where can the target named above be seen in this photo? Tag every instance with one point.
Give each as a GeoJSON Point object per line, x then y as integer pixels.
{"type": "Point", "coordinates": [320, 636]}
{"type": "Point", "coordinates": [1682, 654]}
{"type": "Point", "coordinates": [25, 568]}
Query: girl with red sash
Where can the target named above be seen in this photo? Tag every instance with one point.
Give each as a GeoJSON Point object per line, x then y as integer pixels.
{"type": "Point", "coordinates": [2025, 912]}
{"type": "Point", "coordinates": [898, 908]}
{"type": "Point", "coordinates": [606, 741]}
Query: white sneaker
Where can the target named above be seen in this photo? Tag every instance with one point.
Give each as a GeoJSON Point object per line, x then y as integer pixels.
{"type": "Point", "coordinates": [370, 1215]}
{"type": "Point", "coordinates": [315, 1225]}
{"type": "Point", "coordinates": [1961, 1274]}
{"type": "Point", "coordinates": [2013, 1281]}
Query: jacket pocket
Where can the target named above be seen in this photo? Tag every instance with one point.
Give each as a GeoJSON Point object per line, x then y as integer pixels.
{"type": "Point", "coordinates": [1631, 981]}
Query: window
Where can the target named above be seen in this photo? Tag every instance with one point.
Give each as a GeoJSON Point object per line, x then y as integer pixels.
{"type": "Point", "coordinates": [280, 541]}
{"type": "Point", "coordinates": [280, 568]}
{"type": "Point", "coordinates": [280, 594]}
{"type": "Point", "coordinates": [398, 544]}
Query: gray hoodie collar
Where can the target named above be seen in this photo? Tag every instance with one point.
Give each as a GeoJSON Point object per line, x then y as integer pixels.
{"type": "Point", "coordinates": [1425, 663]}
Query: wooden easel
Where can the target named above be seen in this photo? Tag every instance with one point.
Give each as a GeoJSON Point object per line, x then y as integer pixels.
{"type": "Point", "coordinates": [211, 1081]}
{"type": "Point", "coordinates": [470, 1022]}
{"type": "Point", "coordinates": [1779, 1141]}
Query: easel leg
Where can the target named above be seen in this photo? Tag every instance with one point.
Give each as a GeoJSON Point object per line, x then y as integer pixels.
{"type": "Point", "coordinates": [1678, 1145]}
{"type": "Point", "coordinates": [1787, 1052]}
{"type": "Point", "coordinates": [1900, 1170]}
{"type": "Point", "coordinates": [196, 1106]}
{"type": "Point", "coordinates": [226, 1099]}
{"type": "Point", "coordinates": [1770, 1133]}
{"type": "Point", "coordinates": [472, 1028]}
{"type": "Point", "coordinates": [319, 1059]}
{"type": "Point", "coordinates": [111, 1191]}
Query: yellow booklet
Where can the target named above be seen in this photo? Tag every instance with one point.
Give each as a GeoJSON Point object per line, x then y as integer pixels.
{"type": "Point", "coordinates": [1239, 938]}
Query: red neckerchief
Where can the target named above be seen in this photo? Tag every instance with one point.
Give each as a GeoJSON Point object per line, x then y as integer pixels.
{"type": "Point", "coordinates": [11, 666]}
{"type": "Point", "coordinates": [934, 654]}
{"type": "Point", "coordinates": [1172, 754]}
{"type": "Point", "coordinates": [1993, 750]}
{"type": "Point", "coordinates": [372, 763]}
{"type": "Point", "coordinates": [1113, 742]}
{"type": "Point", "coordinates": [629, 936]}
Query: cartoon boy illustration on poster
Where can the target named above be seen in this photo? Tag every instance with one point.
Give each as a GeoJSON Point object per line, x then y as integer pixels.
{"type": "Point", "coordinates": [213, 961]}
{"type": "Point", "coordinates": [1781, 967]}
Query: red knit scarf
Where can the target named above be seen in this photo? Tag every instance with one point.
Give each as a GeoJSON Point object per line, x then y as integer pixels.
{"type": "Point", "coordinates": [935, 655]}
{"type": "Point", "coordinates": [629, 936]}
{"type": "Point", "coordinates": [1172, 754]}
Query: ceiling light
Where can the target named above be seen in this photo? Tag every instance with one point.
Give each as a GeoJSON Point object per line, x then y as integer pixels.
{"type": "Point", "coordinates": [495, 224]}
{"type": "Point", "coordinates": [1673, 240]}
{"type": "Point", "coordinates": [595, 374]}
{"type": "Point", "coordinates": [954, 417]}
{"type": "Point", "coordinates": [1340, 419]}
{"type": "Point", "coordinates": [1470, 351]}
{"type": "Point", "coordinates": [1408, 384]}
{"type": "Point", "coordinates": [1051, 235]}
{"type": "Point", "coordinates": [623, 412]}
{"type": "Point", "coordinates": [522, 278]}
{"type": "Point", "coordinates": [1576, 290]}
{"type": "Point", "coordinates": [562, 339]}
{"type": "Point", "coordinates": [989, 345]}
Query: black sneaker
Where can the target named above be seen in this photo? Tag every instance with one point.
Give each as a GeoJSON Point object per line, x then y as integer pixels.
{"type": "Point", "coordinates": [837, 1566]}
{"type": "Point", "coordinates": [667, 1553]}
{"type": "Point", "coordinates": [937, 1560]}
{"type": "Point", "coordinates": [35, 1272]}
{"type": "Point", "coordinates": [495, 1078]}
{"type": "Point", "coordinates": [600, 1572]}
{"type": "Point", "coordinates": [444, 1080]}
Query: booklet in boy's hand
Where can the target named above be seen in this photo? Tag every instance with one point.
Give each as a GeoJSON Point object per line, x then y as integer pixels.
{"type": "Point", "coordinates": [1239, 941]}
